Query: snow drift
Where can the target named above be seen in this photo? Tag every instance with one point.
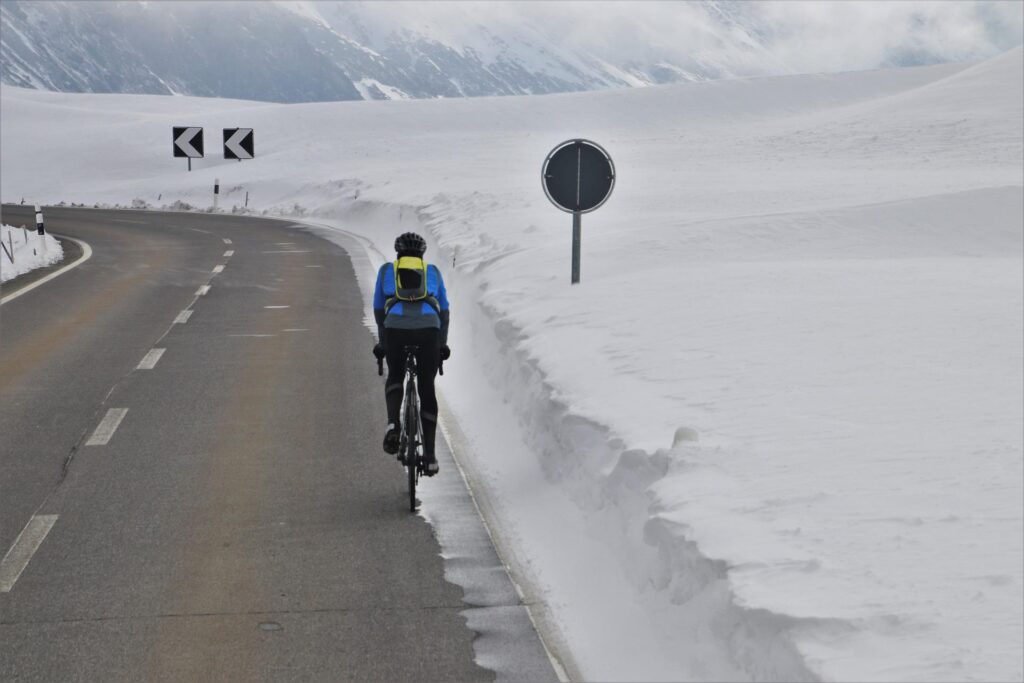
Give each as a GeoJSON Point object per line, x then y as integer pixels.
{"type": "Point", "coordinates": [776, 431]}
{"type": "Point", "coordinates": [24, 251]}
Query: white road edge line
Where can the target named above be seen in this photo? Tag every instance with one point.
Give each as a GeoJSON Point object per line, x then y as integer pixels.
{"type": "Point", "coordinates": [226, 240]}
{"type": "Point", "coordinates": [252, 335]}
{"type": "Point", "coordinates": [149, 361]}
{"type": "Point", "coordinates": [183, 317]}
{"type": "Point", "coordinates": [24, 547]}
{"type": "Point", "coordinates": [229, 253]}
{"type": "Point", "coordinates": [86, 255]}
{"type": "Point", "coordinates": [108, 425]}
{"type": "Point", "coordinates": [289, 251]}
{"type": "Point", "coordinates": [296, 329]}
{"type": "Point", "coordinates": [218, 269]}
{"type": "Point", "coordinates": [452, 434]}
{"type": "Point", "coordinates": [203, 290]}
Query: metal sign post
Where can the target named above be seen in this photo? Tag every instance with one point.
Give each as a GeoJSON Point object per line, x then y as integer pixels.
{"type": "Point", "coordinates": [577, 238]}
{"type": "Point", "coordinates": [578, 177]}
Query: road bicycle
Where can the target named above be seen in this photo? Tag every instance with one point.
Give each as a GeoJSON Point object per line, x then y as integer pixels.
{"type": "Point", "coordinates": [410, 445]}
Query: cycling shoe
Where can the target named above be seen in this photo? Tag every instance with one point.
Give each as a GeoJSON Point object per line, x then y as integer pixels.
{"type": "Point", "coordinates": [391, 440]}
{"type": "Point", "coordinates": [431, 468]}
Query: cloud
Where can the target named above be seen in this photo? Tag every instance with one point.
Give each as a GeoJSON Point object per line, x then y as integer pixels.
{"type": "Point", "coordinates": [741, 38]}
{"type": "Point", "coordinates": [830, 36]}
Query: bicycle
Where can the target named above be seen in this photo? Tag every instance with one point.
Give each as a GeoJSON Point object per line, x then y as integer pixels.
{"type": "Point", "coordinates": [410, 452]}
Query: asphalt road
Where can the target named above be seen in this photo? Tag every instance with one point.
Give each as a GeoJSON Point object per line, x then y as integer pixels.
{"type": "Point", "coordinates": [240, 521]}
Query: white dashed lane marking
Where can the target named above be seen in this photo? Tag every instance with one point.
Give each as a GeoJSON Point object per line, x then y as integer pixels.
{"type": "Point", "coordinates": [203, 290]}
{"type": "Point", "coordinates": [283, 244]}
{"type": "Point", "coordinates": [314, 266]}
{"type": "Point", "coordinates": [252, 335]}
{"type": "Point", "coordinates": [296, 329]}
{"type": "Point", "coordinates": [288, 251]}
{"type": "Point", "coordinates": [183, 317]}
{"type": "Point", "coordinates": [218, 269]}
{"type": "Point", "coordinates": [275, 307]}
{"type": "Point", "coordinates": [25, 546]}
{"type": "Point", "coordinates": [229, 253]}
{"type": "Point", "coordinates": [149, 361]}
{"type": "Point", "coordinates": [108, 425]}
{"type": "Point", "coordinates": [226, 240]}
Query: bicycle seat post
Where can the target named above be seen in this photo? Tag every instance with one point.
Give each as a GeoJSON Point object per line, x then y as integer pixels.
{"type": "Point", "coordinates": [410, 356]}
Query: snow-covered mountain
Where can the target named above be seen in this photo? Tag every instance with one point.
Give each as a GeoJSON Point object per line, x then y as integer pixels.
{"type": "Point", "coordinates": [321, 51]}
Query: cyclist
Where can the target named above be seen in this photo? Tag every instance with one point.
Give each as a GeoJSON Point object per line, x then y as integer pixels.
{"type": "Point", "coordinates": [411, 308]}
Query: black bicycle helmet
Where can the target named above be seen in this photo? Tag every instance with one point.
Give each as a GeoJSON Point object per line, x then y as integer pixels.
{"type": "Point", "coordinates": [410, 243]}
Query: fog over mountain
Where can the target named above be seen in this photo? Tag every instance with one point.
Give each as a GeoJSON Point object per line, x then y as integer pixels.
{"type": "Point", "coordinates": [317, 51]}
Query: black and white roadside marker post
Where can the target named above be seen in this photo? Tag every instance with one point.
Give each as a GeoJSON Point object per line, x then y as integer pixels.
{"type": "Point", "coordinates": [216, 193]}
{"type": "Point", "coordinates": [238, 143]}
{"type": "Point", "coordinates": [40, 228]}
{"type": "Point", "coordinates": [188, 142]}
{"type": "Point", "coordinates": [578, 177]}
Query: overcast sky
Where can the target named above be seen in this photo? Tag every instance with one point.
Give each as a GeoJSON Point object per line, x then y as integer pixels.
{"type": "Point", "coordinates": [862, 34]}
{"type": "Point", "coordinates": [790, 36]}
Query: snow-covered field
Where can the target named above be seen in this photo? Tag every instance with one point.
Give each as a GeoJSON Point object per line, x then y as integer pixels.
{"type": "Point", "coordinates": [777, 430]}
{"type": "Point", "coordinates": [24, 251]}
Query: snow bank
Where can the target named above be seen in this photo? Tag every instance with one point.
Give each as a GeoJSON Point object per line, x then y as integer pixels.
{"type": "Point", "coordinates": [24, 251]}
{"type": "Point", "coordinates": [776, 431]}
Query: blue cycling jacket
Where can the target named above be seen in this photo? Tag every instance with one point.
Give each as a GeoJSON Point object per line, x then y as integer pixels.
{"type": "Point", "coordinates": [411, 315]}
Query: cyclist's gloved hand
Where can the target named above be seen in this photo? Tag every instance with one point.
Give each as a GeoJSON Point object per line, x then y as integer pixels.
{"type": "Point", "coordinates": [378, 351]}
{"type": "Point", "coordinates": [446, 353]}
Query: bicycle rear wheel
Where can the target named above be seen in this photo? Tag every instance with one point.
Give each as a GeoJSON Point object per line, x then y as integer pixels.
{"type": "Point", "coordinates": [412, 466]}
{"type": "Point", "coordinates": [412, 474]}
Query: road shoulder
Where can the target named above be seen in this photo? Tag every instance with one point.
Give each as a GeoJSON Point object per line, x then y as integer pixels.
{"type": "Point", "coordinates": [72, 252]}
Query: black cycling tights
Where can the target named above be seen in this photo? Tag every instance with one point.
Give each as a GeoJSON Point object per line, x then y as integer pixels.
{"type": "Point", "coordinates": [427, 358]}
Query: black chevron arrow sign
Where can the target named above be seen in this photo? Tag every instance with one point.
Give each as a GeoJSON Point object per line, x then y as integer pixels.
{"type": "Point", "coordinates": [188, 141]}
{"type": "Point", "coordinates": [238, 143]}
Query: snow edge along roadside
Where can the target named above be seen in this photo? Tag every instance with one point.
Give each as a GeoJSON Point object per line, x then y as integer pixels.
{"type": "Point", "coordinates": [689, 592]}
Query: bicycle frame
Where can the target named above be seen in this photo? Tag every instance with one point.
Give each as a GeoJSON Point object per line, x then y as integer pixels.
{"type": "Point", "coordinates": [410, 390]}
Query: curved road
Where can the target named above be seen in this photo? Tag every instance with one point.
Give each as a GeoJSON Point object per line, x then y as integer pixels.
{"type": "Point", "coordinates": [227, 513]}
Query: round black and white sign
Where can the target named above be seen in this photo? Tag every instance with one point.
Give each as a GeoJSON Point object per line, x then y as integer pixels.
{"type": "Point", "coordinates": [578, 175]}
